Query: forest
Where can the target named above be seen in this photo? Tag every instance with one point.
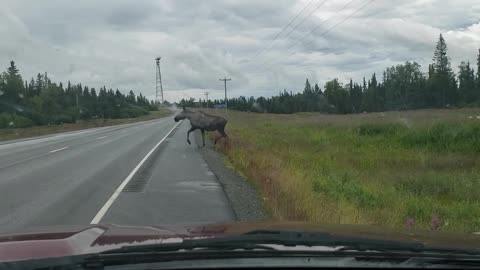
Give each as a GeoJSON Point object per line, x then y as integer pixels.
{"type": "Point", "coordinates": [401, 87]}
{"type": "Point", "coordinates": [43, 102]}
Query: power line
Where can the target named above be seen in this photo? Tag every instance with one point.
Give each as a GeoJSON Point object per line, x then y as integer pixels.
{"type": "Point", "coordinates": [284, 28]}
{"type": "Point", "coordinates": [322, 23]}
{"type": "Point", "coordinates": [342, 21]}
{"type": "Point", "coordinates": [334, 26]}
{"type": "Point", "coordinates": [293, 29]}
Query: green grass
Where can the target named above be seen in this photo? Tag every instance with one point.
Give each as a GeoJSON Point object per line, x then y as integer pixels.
{"type": "Point", "coordinates": [363, 169]}
{"type": "Point", "coordinates": [17, 133]}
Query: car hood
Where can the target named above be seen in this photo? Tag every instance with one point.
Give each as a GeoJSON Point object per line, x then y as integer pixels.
{"type": "Point", "coordinates": [59, 241]}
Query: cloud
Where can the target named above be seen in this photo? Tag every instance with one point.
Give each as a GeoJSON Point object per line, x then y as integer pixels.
{"type": "Point", "coordinates": [114, 42]}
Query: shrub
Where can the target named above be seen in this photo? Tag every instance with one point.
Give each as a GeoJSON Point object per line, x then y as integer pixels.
{"type": "Point", "coordinates": [8, 120]}
{"type": "Point", "coordinates": [63, 118]}
{"type": "Point", "coordinates": [379, 129]}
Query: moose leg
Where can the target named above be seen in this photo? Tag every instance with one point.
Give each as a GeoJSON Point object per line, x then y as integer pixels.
{"type": "Point", "coordinates": [188, 134]}
{"type": "Point", "coordinates": [203, 136]}
{"type": "Point", "coordinates": [223, 134]}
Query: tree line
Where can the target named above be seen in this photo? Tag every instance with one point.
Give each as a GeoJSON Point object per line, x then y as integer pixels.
{"type": "Point", "coordinates": [43, 102]}
{"type": "Point", "coordinates": [401, 87]}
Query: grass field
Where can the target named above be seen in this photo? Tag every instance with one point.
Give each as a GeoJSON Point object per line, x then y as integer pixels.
{"type": "Point", "coordinates": [17, 133]}
{"type": "Point", "coordinates": [375, 168]}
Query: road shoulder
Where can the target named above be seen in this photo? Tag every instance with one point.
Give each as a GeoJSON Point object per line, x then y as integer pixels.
{"type": "Point", "coordinates": [245, 200]}
{"type": "Point", "coordinates": [173, 186]}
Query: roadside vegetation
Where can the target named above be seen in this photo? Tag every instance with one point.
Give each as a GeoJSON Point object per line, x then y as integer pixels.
{"type": "Point", "coordinates": [43, 102]}
{"type": "Point", "coordinates": [41, 107]}
{"type": "Point", "coordinates": [358, 153]}
{"type": "Point", "coordinates": [416, 169]}
{"type": "Point", "coordinates": [17, 133]}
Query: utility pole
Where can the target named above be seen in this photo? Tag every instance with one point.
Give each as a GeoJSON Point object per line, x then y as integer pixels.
{"type": "Point", "coordinates": [78, 108]}
{"type": "Point", "coordinates": [158, 85]}
{"type": "Point", "coordinates": [225, 82]}
{"type": "Point", "coordinates": [206, 95]}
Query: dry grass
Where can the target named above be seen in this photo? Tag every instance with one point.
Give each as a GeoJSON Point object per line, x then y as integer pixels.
{"type": "Point", "coordinates": [17, 133]}
{"type": "Point", "coordinates": [363, 169]}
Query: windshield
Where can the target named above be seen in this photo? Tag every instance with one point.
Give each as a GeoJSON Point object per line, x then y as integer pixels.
{"type": "Point", "coordinates": [188, 113]}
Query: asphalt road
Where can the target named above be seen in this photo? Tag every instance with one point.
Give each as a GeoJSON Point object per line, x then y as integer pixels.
{"type": "Point", "coordinates": [135, 174]}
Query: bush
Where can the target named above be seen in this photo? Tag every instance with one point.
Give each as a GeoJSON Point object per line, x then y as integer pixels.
{"type": "Point", "coordinates": [37, 118]}
{"type": "Point", "coordinates": [379, 129]}
{"type": "Point", "coordinates": [8, 120]}
{"type": "Point", "coordinates": [133, 111]}
{"type": "Point", "coordinates": [63, 118]}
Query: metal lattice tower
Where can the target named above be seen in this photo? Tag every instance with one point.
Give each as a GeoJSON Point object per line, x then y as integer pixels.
{"type": "Point", "coordinates": [158, 86]}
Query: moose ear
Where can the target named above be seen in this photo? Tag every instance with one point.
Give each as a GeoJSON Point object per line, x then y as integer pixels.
{"type": "Point", "coordinates": [184, 108]}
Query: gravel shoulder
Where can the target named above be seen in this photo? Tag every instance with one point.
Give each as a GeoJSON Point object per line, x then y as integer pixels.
{"type": "Point", "coordinates": [245, 200]}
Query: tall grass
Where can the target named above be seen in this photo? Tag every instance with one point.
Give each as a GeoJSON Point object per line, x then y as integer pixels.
{"type": "Point", "coordinates": [363, 169]}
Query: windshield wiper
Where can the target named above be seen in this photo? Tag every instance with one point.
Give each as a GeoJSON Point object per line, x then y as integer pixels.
{"type": "Point", "coordinates": [193, 244]}
{"type": "Point", "coordinates": [263, 240]}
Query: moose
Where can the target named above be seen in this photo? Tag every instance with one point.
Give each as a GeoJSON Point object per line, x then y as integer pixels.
{"type": "Point", "coordinates": [203, 121]}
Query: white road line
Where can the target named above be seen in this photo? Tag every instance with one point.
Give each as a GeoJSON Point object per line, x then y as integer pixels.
{"type": "Point", "coordinates": [24, 160]}
{"type": "Point", "coordinates": [117, 192]}
{"type": "Point", "coordinates": [59, 149]}
{"type": "Point", "coordinates": [103, 137]}
{"type": "Point", "coordinates": [34, 157]}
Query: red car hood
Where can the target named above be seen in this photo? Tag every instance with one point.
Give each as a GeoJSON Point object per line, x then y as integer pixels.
{"type": "Point", "coordinates": [59, 241]}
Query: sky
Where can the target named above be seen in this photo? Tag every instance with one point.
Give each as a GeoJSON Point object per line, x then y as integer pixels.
{"type": "Point", "coordinates": [115, 42]}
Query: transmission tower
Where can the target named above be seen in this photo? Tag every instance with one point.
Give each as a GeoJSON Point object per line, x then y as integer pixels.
{"type": "Point", "coordinates": [158, 86]}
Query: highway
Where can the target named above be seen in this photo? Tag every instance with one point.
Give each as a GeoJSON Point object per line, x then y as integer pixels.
{"type": "Point", "coordinates": [136, 174]}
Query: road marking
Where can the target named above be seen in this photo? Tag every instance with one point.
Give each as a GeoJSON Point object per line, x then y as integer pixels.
{"type": "Point", "coordinates": [124, 131]}
{"type": "Point", "coordinates": [24, 160]}
{"type": "Point", "coordinates": [117, 192]}
{"type": "Point", "coordinates": [103, 137]}
{"type": "Point", "coordinates": [34, 157]}
{"type": "Point", "coordinates": [59, 149]}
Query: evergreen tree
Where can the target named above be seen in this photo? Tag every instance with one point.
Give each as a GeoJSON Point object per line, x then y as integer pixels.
{"type": "Point", "coordinates": [444, 84]}
{"type": "Point", "coordinates": [131, 98]}
{"type": "Point", "coordinates": [356, 96]}
{"type": "Point", "coordinates": [31, 88]}
{"type": "Point", "coordinates": [317, 89]}
{"type": "Point", "coordinates": [39, 84]}
{"type": "Point", "coordinates": [308, 87]}
{"type": "Point", "coordinates": [466, 79]}
{"type": "Point", "coordinates": [13, 88]}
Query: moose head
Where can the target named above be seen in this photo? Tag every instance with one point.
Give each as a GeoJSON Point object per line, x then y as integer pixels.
{"type": "Point", "coordinates": [182, 115]}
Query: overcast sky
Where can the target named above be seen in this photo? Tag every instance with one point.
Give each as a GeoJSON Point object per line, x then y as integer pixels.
{"type": "Point", "coordinates": [114, 42]}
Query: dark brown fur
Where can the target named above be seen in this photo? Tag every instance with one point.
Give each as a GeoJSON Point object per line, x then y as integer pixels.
{"type": "Point", "coordinates": [203, 121]}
